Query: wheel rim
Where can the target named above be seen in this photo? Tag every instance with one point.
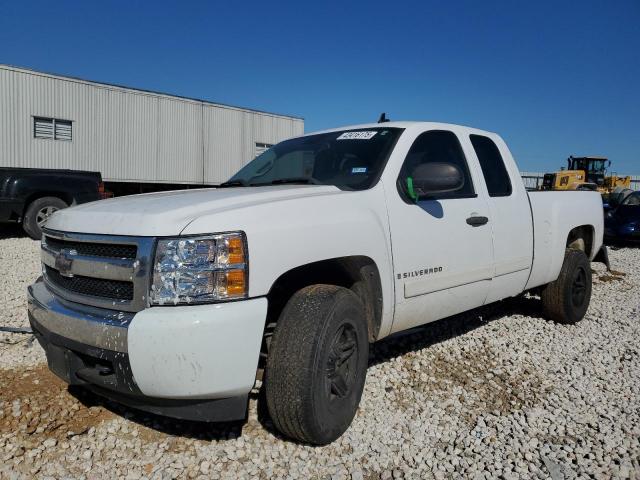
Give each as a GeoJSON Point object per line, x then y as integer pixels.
{"type": "Point", "coordinates": [579, 287]}
{"type": "Point", "coordinates": [43, 214]}
{"type": "Point", "coordinates": [342, 363]}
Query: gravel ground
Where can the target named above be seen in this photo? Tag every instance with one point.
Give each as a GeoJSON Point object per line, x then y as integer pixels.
{"type": "Point", "coordinates": [498, 392]}
{"type": "Point", "coordinates": [19, 267]}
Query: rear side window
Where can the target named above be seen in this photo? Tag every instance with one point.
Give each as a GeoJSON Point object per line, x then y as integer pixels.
{"type": "Point", "coordinates": [492, 164]}
{"type": "Point", "coordinates": [439, 146]}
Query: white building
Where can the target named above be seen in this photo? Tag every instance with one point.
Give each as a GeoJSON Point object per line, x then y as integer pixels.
{"type": "Point", "coordinates": [126, 134]}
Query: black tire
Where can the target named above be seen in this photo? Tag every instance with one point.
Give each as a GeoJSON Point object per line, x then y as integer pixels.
{"type": "Point", "coordinates": [317, 364]}
{"type": "Point", "coordinates": [37, 213]}
{"type": "Point", "coordinates": [567, 299]}
{"type": "Point", "coordinates": [362, 291]}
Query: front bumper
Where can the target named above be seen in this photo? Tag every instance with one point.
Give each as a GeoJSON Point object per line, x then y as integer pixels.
{"type": "Point", "coordinates": [195, 362]}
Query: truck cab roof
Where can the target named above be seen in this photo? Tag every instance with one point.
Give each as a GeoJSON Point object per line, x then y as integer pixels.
{"type": "Point", "coordinates": [408, 124]}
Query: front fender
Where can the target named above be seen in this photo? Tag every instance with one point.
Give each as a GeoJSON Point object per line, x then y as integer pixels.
{"type": "Point", "coordinates": [286, 234]}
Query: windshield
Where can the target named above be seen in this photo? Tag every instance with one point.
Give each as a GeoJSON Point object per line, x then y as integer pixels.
{"type": "Point", "coordinates": [633, 199]}
{"type": "Point", "coordinates": [348, 159]}
{"type": "Point", "coordinates": [589, 165]}
{"type": "Point", "coordinates": [597, 166]}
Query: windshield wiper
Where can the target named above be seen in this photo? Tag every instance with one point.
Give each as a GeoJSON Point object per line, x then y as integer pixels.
{"type": "Point", "coordinates": [233, 183]}
{"type": "Point", "coordinates": [282, 181]}
{"type": "Point", "coordinates": [277, 181]}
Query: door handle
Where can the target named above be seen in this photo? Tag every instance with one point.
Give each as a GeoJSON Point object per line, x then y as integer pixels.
{"type": "Point", "coordinates": [477, 221]}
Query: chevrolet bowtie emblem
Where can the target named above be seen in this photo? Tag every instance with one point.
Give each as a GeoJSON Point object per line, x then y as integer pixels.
{"type": "Point", "coordinates": [64, 262]}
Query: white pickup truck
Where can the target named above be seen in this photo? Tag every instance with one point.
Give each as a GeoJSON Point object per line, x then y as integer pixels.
{"type": "Point", "coordinates": [176, 302]}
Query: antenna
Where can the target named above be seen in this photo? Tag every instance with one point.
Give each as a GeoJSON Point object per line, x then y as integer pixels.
{"type": "Point", "coordinates": [383, 118]}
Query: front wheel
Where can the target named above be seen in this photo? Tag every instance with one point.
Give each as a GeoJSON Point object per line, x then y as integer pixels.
{"type": "Point", "coordinates": [317, 364]}
{"type": "Point", "coordinates": [566, 300]}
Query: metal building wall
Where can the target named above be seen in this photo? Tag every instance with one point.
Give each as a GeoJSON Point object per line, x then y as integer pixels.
{"type": "Point", "coordinates": [130, 135]}
{"type": "Point", "coordinates": [233, 134]}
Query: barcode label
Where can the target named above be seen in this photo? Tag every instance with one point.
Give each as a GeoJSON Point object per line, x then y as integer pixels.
{"type": "Point", "coordinates": [363, 135]}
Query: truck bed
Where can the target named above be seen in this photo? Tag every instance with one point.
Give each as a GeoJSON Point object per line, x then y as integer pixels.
{"type": "Point", "coordinates": [554, 214]}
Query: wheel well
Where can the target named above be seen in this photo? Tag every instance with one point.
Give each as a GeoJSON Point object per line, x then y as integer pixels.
{"type": "Point", "coordinates": [581, 238]}
{"type": "Point", "coordinates": [342, 271]}
{"type": "Point", "coordinates": [41, 194]}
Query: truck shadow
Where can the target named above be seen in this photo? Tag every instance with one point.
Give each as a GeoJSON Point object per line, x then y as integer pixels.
{"type": "Point", "coordinates": [426, 336]}
{"type": "Point", "coordinates": [9, 230]}
{"type": "Point", "coordinates": [433, 333]}
{"type": "Point", "coordinates": [156, 428]}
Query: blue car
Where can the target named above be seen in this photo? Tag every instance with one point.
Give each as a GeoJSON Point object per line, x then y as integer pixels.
{"type": "Point", "coordinates": [622, 222]}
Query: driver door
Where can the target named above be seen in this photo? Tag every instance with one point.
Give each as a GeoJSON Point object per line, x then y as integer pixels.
{"type": "Point", "coordinates": [442, 253]}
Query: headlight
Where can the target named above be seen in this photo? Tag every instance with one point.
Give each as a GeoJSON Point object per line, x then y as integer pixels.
{"type": "Point", "coordinates": [200, 269]}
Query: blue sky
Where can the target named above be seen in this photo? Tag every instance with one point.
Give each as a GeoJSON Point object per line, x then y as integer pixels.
{"type": "Point", "coordinates": [553, 78]}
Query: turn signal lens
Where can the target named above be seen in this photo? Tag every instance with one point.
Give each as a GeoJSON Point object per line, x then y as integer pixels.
{"type": "Point", "coordinates": [236, 250]}
{"type": "Point", "coordinates": [230, 250]}
{"type": "Point", "coordinates": [231, 284]}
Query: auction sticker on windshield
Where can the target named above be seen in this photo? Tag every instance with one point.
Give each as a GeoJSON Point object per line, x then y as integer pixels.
{"type": "Point", "coordinates": [363, 135]}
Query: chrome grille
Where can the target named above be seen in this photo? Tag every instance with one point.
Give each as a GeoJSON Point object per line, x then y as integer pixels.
{"type": "Point", "coordinates": [99, 270]}
{"type": "Point", "coordinates": [97, 287]}
{"type": "Point", "coordinates": [94, 249]}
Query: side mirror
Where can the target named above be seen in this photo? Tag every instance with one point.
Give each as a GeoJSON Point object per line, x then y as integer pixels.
{"type": "Point", "coordinates": [434, 178]}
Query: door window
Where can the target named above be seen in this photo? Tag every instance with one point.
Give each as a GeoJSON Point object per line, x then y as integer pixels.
{"type": "Point", "coordinates": [436, 146]}
{"type": "Point", "coordinates": [495, 173]}
{"type": "Point", "coordinates": [633, 199]}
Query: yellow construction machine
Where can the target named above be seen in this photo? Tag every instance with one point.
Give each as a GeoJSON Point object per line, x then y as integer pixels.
{"type": "Point", "coordinates": [585, 173]}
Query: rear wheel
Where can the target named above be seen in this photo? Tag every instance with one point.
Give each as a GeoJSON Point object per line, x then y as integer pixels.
{"type": "Point", "coordinates": [37, 214]}
{"type": "Point", "coordinates": [317, 364]}
{"type": "Point", "coordinates": [567, 299]}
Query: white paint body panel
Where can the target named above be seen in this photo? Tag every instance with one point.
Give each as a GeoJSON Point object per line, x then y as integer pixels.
{"type": "Point", "coordinates": [431, 234]}
{"type": "Point", "coordinates": [197, 351]}
{"type": "Point", "coordinates": [555, 214]}
{"type": "Point", "coordinates": [510, 224]}
{"type": "Point", "coordinates": [211, 351]}
{"type": "Point", "coordinates": [286, 226]}
{"type": "Point", "coordinates": [168, 213]}
{"type": "Point", "coordinates": [317, 223]}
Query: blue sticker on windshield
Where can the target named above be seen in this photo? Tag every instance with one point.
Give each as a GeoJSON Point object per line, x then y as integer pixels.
{"type": "Point", "coordinates": [359, 170]}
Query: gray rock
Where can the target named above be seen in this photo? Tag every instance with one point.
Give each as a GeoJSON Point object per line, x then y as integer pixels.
{"type": "Point", "coordinates": [516, 397]}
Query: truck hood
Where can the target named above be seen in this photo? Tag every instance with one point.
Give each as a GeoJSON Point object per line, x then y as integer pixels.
{"type": "Point", "coordinates": [168, 213]}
